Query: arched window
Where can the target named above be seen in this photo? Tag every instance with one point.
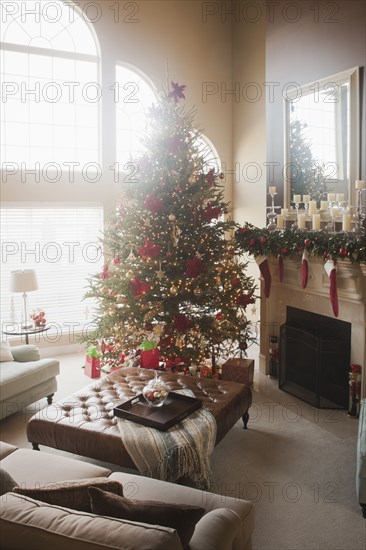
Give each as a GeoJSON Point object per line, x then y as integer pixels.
{"type": "Point", "coordinates": [50, 85]}
{"type": "Point", "coordinates": [208, 153]}
{"type": "Point", "coordinates": [134, 94]}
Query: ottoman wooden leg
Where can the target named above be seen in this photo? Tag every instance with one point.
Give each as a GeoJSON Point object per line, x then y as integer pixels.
{"type": "Point", "coordinates": [35, 446]}
{"type": "Point", "coordinates": [245, 418]}
{"type": "Point", "coordinates": [50, 398]}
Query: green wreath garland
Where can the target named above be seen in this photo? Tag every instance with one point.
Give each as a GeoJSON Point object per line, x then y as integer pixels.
{"type": "Point", "coordinates": [291, 243]}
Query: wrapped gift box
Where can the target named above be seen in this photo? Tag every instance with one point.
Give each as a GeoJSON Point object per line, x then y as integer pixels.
{"type": "Point", "coordinates": [150, 359]}
{"type": "Point", "coordinates": [238, 370]}
{"type": "Point", "coordinates": [92, 367]}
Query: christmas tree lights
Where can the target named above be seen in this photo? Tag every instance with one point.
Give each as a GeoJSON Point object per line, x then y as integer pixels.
{"type": "Point", "coordinates": [173, 272]}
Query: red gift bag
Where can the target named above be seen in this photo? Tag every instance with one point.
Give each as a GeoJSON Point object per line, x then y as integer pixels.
{"type": "Point", "coordinates": [150, 359]}
{"type": "Point", "coordinates": [92, 367]}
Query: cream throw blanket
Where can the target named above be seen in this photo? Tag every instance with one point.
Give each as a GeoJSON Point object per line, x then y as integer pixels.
{"type": "Point", "coordinates": [182, 451]}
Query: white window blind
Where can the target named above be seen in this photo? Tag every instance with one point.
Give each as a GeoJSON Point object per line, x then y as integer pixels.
{"type": "Point", "coordinates": [61, 242]}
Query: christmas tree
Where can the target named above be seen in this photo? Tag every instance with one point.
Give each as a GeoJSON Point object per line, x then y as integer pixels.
{"type": "Point", "coordinates": [173, 277]}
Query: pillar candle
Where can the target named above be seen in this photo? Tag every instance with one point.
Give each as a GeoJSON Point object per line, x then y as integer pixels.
{"type": "Point", "coordinates": [346, 222]}
{"type": "Point", "coordinates": [297, 198]}
{"type": "Point", "coordinates": [284, 211]}
{"type": "Point", "coordinates": [316, 221]}
{"type": "Point", "coordinates": [312, 208]}
{"type": "Point", "coordinates": [360, 184]}
{"type": "Point", "coordinates": [331, 197]}
{"type": "Point", "coordinates": [271, 190]}
{"type": "Point", "coordinates": [323, 205]}
{"type": "Point", "coordinates": [280, 222]}
{"type": "Point", "coordinates": [340, 197]}
{"type": "Point", "coordinates": [301, 221]}
{"type": "Point", "coordinates": [334, 211]}
{"type": "Point", "coordinates": [305, 198]}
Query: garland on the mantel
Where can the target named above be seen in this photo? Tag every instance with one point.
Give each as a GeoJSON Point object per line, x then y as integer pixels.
{"type": "Point", "coordinates": [292, 243]}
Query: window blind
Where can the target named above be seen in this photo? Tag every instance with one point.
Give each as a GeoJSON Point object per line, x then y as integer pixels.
{"type": "Point", "coordinates": [61, 242]}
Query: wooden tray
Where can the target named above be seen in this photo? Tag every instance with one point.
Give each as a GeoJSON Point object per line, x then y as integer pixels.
{"type": "Point", "coordinates": [175, 408]}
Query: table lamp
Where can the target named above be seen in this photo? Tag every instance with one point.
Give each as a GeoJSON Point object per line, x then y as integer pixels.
{"type": "Point", "coordinates": [24, 281]}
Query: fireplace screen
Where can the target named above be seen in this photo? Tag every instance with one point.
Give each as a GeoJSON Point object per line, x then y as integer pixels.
{"type": "Point", "coordinates": [315, 359]}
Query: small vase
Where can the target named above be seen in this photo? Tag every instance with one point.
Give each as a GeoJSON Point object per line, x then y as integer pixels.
{"type": "Point", "coordinates": [155, 392]}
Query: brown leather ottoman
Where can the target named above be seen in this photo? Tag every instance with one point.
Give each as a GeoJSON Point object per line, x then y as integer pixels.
{"type": "Point", "coordinates": [84, 423]}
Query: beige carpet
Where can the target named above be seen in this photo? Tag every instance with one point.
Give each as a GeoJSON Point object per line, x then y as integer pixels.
{"type": "Point", "coordinates": [295, 462]}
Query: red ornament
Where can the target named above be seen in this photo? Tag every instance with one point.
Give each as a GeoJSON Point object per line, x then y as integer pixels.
{"type": "Point", "coordinates": [150, 250]}
{"type": "Point", "coordinates": [243, 346]}
{"type": "Point", "coordinates": [139, 287]}
{"type": "Point", "coordinates": [284, 251]}
{"type": "Point", "coordinates": [194, 268]}
{"type": "Point", "coordinates": [235, 281]}
{"type": "Point", "coordinates": [264, 240]}
{"type": "Point", "coordinates": [153, 204]}
{"type": "Point", "coordinates": [116, 260]}
{"type": "Point", "coordinates": [245, 299]}
{"type": "Point", "coordinates": [211, 213]}
{"type": "Point", "coordinates": [219, 316]}
{"type": "Point", "coordinates": [105, 273]}
{"type": "Point", "coordinates": [181, 323]}
{"type": "Point", "coordinates": [307, 243]}
{"type": "Point", "coordinates": [252, 242]}
{"type": "Point", "coordinates": [343, 252]}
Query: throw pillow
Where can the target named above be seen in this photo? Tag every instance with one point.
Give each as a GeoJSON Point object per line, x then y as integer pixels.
{"type": "Point", "coordinates": [7, 483]}
{"type": "Point", "coordinates": [181, 518]}
{"type": "Point", "coordinates": [5, 352]}
{"type": "Point", "coordinates": [70, 494]}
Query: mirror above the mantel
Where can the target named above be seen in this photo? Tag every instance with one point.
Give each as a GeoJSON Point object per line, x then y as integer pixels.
{"type": "Point", "coordinates": [322, 138]}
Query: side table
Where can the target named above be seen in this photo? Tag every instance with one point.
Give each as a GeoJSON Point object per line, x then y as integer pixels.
{"type": "Point", "coordinates": [19, 331]}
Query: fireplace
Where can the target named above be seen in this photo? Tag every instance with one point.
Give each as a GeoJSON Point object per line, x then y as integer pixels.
{"type": "Point", "coordinates": [315, 357]}
{"type": "Point", "coordinates": [351, 284]}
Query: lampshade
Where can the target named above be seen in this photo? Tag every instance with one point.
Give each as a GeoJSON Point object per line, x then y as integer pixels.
{"type": "Point", "coordinates": [23, 280]}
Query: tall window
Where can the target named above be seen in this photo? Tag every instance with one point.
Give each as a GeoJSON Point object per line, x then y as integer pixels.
{"type": "Point", "coordinates": [50, 118]}
{"type": "Point", "coordinates": [50, 85]}
{"type": "Point", "coordinates": [133, 94]}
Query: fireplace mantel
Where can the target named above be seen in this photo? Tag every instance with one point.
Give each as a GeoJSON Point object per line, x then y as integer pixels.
{"type": "Point", "coordinates": [351, 285]}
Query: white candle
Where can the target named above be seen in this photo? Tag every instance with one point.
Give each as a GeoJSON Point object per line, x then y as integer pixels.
{"type": "Point", "coordinates": [323, 205]}
{"type": "Point", "coordinates": [284, 211]}
{"type": "Point", "coordinates": [280, 222]}
{"type": "Point", "coordinates": [312, 208]}
{"type": "Point", "coordinates": [340, 197]}
{"type": "Point", "coordinates": [316, 221]}
{"type": "Point", "coordinates": [271, 190]}
{"type": "Point", "coordinates": [346, 222]}
{"type": "Point", "coordinates": [305, 198]}
{"type": "Point", "coordinates": [360, 184]}
{"type": "Point", "coordinates": [331, 197]}
{"type": "Point", "coordinates": [297, 199]}
{"type": "Point", "coordinates": [334, 211]}
{"type": "Point", "coordinates": [301, 221]}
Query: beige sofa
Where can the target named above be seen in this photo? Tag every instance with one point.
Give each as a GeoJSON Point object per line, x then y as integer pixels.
{"type": "Point", "coordinates": [26, 379]}
{"type": "Point", "coordinates": [25, 523]}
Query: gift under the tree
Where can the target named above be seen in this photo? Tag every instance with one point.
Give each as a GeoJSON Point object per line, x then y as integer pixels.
{"type": "Point", "coordinates": [92, 362]}
{"type": "Point", "coordinates": [150, 359]}
{"type": "Point", "coordinates": [238, 370]}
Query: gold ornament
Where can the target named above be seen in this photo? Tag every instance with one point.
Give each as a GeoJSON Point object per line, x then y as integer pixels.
{"type": "Point", "coordinates": [174, 290]}
{"type": "Point", "coordinates": [129, 274]}
{"type": "Point", "coordinates": [197, 291]}
{"type": "Point", "coordinates": [172, 217]}
{"type": "Point", "coordinates": [192, 179]}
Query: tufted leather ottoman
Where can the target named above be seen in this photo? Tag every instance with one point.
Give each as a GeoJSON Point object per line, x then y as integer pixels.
{"type": "Point", "coordinates": [84, 423]}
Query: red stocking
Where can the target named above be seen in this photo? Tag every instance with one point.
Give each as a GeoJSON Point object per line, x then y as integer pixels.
{"type": "Point", "coordinates": [280, 267]}
{"type": "Point", "coordinates": [304, 269]}
{"type": "Point", "coordinates": [331, 269]}
{"type": "Point", "coordinates": [263, 265]}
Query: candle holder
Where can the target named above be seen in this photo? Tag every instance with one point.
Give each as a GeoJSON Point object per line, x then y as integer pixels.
{"type": "Point", "coordinates": [359, 216]}
{"type": "Point", "coordinates": [297, 206]}
{"type": "Point", "coordinates": [272, 216]}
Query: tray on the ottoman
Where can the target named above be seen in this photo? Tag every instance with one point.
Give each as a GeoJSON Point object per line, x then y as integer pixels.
{"type": "Point", "coordinates": [175, 408]}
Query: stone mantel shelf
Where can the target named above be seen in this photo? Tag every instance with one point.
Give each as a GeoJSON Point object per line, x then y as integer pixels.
{"type": "Point", "coordinates": [351, 288]}
{"type": "Point", "coordinates": [351, 277]}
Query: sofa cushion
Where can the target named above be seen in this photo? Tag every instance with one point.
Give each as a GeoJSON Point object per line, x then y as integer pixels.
{"type": "Point", "coordinates": [181, 518]}
{"type": "Point", "coordinates": [71, 494]}
{"type": "Point", "coordinates": [27, 523]}
{"type": "Point", "coordinates": [17, 377]}
{"type": "Point", "coordinates": [25, 352]}
{"type": "Point", "coordinates": [5, 352]}
{"type": "Point", "coordinates": [7, 483]}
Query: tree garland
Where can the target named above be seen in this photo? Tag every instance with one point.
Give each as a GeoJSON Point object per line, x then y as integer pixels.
{"type": "Point", "coordinates": [291, 243]}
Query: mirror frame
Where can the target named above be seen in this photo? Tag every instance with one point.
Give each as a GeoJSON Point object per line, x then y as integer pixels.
{"type": "Point", "coordinates": [351, 76]}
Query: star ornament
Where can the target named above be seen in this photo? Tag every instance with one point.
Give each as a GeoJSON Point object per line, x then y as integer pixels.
{"type": "Point", "coordinates": [177, 92]}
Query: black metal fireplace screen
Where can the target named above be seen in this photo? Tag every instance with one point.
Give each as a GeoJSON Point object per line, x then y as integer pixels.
{"type": "Point", "coordinates": [315, 354]}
